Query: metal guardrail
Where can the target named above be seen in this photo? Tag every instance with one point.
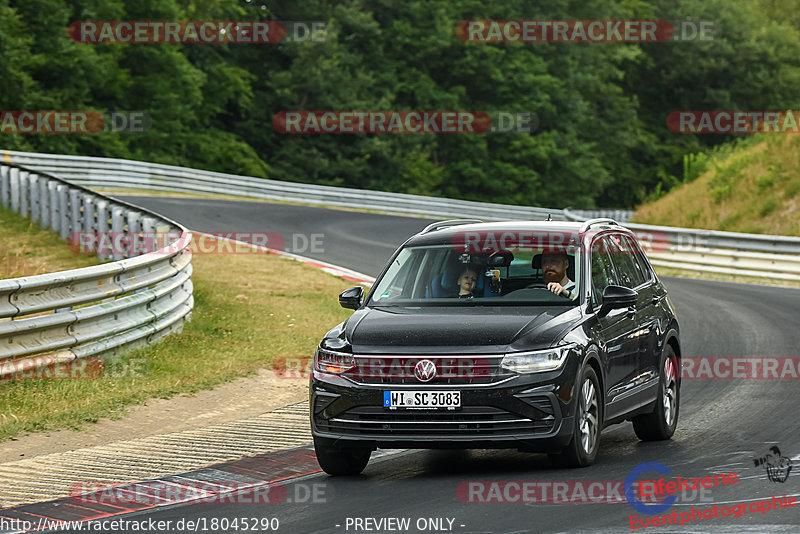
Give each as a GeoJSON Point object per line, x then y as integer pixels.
{"type": "Point", "coordinates": [127, 174]}
{"type": "Point", "coordinates": [686, 238]}
{"type": "Point", "coordinates": [96, 311]}
{"type": "Point", "coordinates": [584, 215]}
{"type": "Point", "coordinates": [710, 251]}
{"type": "Point", "coordinates": [686, 249]}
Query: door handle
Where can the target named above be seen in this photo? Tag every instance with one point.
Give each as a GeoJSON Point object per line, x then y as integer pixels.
{"type": "Point", "coordinates": [657, 298]}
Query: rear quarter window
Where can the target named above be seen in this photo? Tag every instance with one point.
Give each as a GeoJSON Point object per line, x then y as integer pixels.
{"type": "Point", "coordinates": [641, 262]}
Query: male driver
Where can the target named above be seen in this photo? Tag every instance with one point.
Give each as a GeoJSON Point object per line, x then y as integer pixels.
{"type": "Point", "coordinates": [554, 272]}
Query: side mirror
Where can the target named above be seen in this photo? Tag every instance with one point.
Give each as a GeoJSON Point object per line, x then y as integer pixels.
{"type": "Point", "coordinates": [352, 298]}
{"type": "Point", "coordinates": [615, 297]}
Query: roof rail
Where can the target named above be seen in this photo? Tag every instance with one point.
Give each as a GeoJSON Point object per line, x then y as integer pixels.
{"type": "Point", "coordinates": [446, 224]}
{"type": "Point", "coordinates": [588, 224]}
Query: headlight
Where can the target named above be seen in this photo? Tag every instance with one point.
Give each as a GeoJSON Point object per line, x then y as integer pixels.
{"type": "Point", "coordinates": [536, 361]}
{"type": "Point", "coordinates": [330, 361]}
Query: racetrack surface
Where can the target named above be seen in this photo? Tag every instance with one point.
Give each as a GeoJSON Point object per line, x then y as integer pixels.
{"type": "Point", "coordinates": [723, 424]}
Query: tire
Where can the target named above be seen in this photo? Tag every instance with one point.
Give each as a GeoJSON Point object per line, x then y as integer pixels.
{"type": "Point", "coordinates": [336, 460]}
{"type": "Point", "coordinates": [582, 449]}
{"type": "Point", "coordinates": [661, 423]}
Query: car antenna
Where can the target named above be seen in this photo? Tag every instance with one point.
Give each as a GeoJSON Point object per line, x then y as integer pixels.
{"type": "Point", "coordinates": [548, 218]}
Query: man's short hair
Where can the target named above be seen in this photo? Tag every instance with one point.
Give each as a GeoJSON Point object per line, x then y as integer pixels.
{"type": "Point", "coordinates": [563, 255]}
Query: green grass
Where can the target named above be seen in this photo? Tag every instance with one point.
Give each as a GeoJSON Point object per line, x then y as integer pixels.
{"type": "Point", "coordinates": [26, 249]}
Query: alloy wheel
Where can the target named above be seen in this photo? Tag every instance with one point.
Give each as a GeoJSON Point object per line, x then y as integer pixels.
{"type": "Point", "coordinates": [589, 416]}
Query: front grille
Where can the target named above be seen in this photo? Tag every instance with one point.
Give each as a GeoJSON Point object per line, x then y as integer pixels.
{"type": "Point", "coordinates": [469, 421]}
{"type": "Point", "coordinates": [450, 370]}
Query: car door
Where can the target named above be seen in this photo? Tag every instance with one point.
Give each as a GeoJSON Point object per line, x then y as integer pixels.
{"type": "Point", "coordinates": [629, 275]}
{"type": "Point", "coordinates": [615, 334]}
{"type": "Point", "coordinates": [651, 318]}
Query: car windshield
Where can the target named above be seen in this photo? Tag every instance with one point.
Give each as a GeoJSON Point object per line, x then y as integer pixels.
{"type": "Point", "coordinates": [442, 275]}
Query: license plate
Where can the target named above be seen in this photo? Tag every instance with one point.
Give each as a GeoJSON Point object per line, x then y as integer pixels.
{"type": "Point", "coordinates": [422, 399]}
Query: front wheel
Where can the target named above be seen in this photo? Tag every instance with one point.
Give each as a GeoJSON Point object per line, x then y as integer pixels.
{"type": "Point", "coordinates": [660, 424]}
{"type": "Point", "coordinates": [337, 460]}
{"type": "Point", "coordinates": [582, 449]}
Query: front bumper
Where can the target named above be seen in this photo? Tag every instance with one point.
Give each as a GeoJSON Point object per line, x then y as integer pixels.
{"type": "Point", "coordinates": [530, 412]}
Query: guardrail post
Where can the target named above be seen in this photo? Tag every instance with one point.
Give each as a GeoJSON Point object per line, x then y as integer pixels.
{"type": "Point", "coordinates": [75, 226]}
{"type": "Point", "coordinates": [62, 191]}
{"type": "Point", "coordinates": [33, 198]}
{"type": "Point", "coordinates": [89, 221]}
{"type": "Point", "coordinates": [5, 186]}
{"type": "Point", "coordinates": [103, 238]}
{"type": "Point", "coordinates": [150, 238]}
{"type": "Point", "coordinates": [44, 203]}
{"type": "Point", "coordinates": [55, 206]}
{"type": "Point", "coordinates": [13, 181]}
{"type": "Point", "coordinates": [117, 228]}
{"type": "Point", "coordinates": [163, 236]}
{"type": "Point", "coordinates": [24, 193]}
{"type": "Point", "coordinates": [134, 229]}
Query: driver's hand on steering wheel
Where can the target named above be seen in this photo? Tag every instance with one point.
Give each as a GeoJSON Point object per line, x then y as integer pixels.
{"type": "Point", "coordinates": [557, 288]}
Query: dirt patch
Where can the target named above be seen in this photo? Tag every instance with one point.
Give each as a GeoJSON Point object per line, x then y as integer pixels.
{"type": "Point", "coordinates": [242, 398]}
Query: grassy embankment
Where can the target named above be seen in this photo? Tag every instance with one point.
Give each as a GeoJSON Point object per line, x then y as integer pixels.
{"type": "Point", "coordinates": [249, 309]}
{"type": "Point", "coordinates": [754, 188]}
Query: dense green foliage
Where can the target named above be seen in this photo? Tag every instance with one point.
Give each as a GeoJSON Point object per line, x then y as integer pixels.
{"type": "Point", "coordinates": [601, 141]}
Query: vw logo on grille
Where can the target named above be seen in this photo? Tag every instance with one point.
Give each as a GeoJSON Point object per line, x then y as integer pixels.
{"type": "Point", "coordinates": [425, 370]}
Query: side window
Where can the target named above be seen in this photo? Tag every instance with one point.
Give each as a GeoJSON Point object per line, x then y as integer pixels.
{"type": "Point", "coordinates": [602, 269]}
{"type": "Point", "coordinates": [628, 272]}
{"type": "Point", "coordinates": [641, 263]}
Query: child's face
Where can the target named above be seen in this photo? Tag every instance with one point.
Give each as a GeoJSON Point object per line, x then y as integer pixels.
{"type": "Point", "coordinates": [467, 281]}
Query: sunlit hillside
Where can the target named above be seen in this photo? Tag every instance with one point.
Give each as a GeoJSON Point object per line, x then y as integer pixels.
{"type": "Point", "coordinates": [755, 189]}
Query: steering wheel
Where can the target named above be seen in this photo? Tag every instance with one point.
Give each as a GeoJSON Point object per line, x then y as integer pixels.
{"type": "Point", "coordinates": [541, 285]}
{"type": "Point", "coordinates": [537, 285]}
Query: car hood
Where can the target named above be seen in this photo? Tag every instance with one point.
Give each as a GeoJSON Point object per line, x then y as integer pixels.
{"type": "Point", "coordinates": [476, 329]}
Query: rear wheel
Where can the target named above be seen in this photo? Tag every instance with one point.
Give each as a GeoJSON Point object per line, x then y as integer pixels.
{"type": "Point", "coordinates": [582, 449]}
{"type": "Point", "coordinates": [661, 423]}
{"type": "Point", "coordinates": [338, 460]}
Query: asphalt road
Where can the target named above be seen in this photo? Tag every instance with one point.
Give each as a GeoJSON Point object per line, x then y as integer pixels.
{"type": "Point", "coordinates": [723, 424]}
{"type": "Point", "coordinates": [360, 241]}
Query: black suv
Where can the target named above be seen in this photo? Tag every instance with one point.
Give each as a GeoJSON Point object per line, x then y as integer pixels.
{"type": "Point", "coordinates": [528, 335]}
